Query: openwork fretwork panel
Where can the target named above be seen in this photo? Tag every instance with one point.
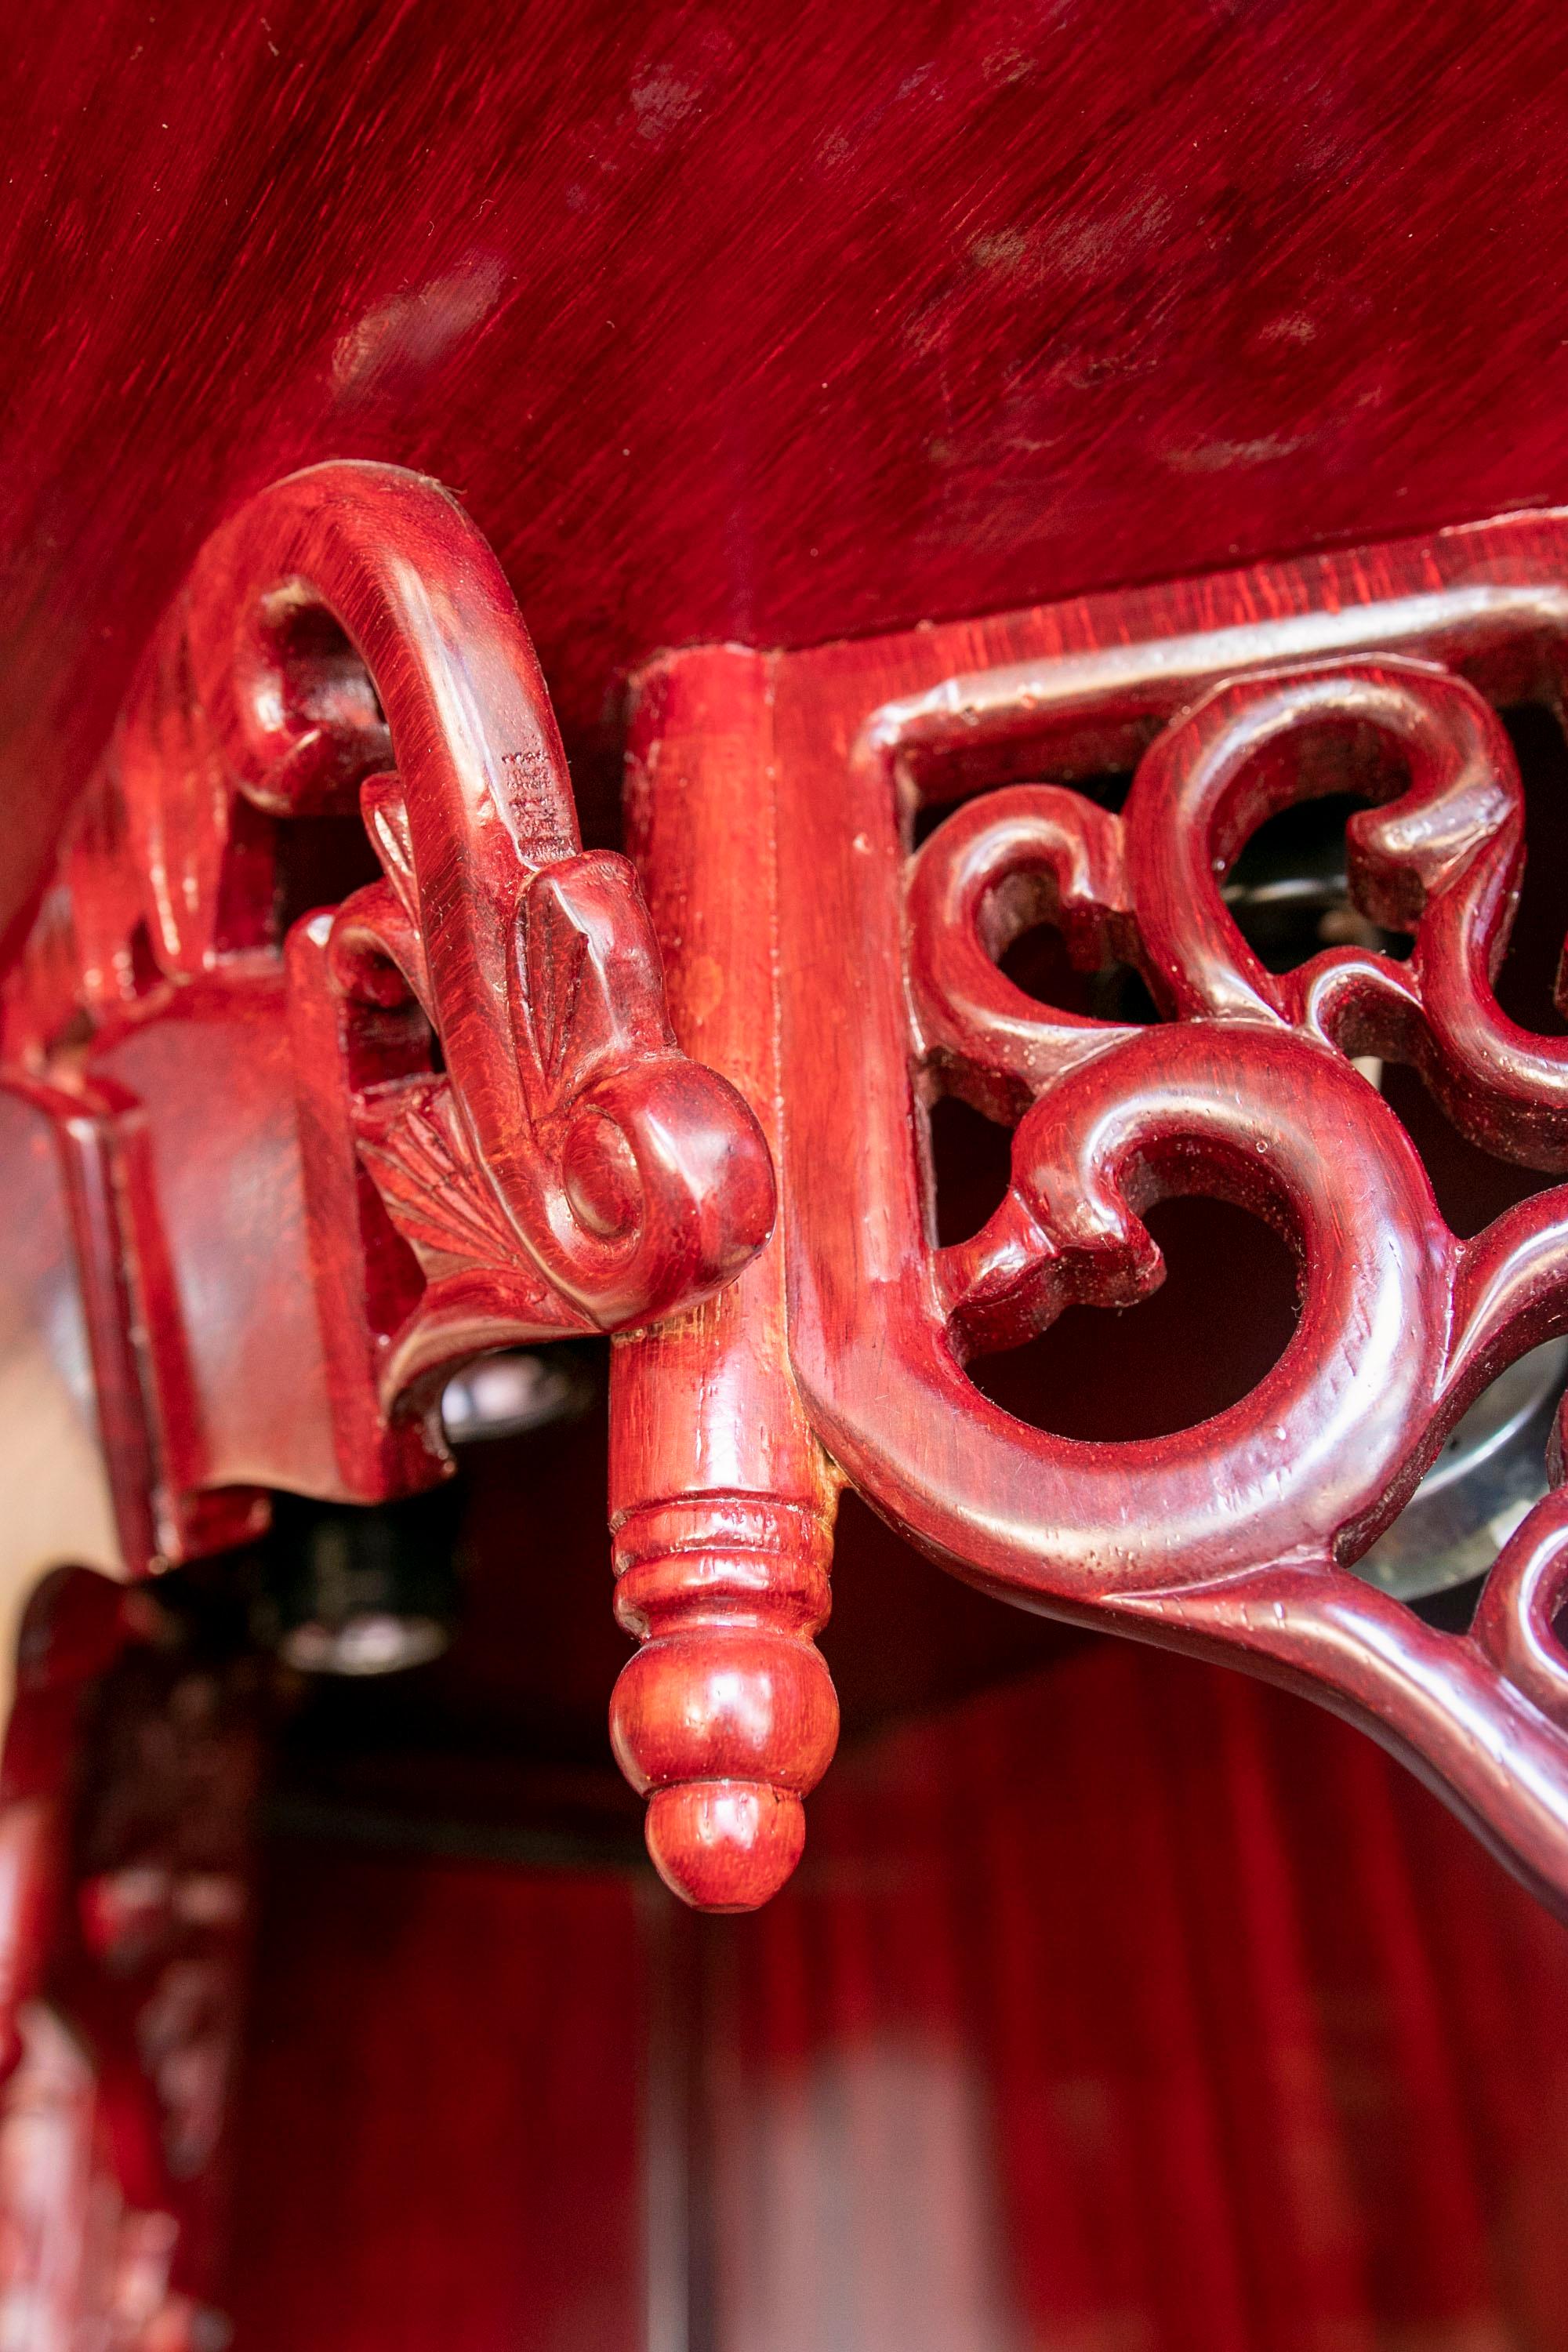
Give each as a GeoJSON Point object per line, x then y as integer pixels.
{"type": "Point", "coordinates": [1232, 700]}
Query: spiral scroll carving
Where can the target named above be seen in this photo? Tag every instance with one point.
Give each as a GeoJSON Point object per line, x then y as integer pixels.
{"type": "Point", "coordinates": [568, 1130]}
{"type": "Point", "coordinates": [1233, 1535]}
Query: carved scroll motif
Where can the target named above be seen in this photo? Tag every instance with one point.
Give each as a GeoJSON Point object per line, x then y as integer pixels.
{"type": "Point", "coordinates": [1239, 1526]}
{"type": "Point", "coordinates": [1232, 1537]}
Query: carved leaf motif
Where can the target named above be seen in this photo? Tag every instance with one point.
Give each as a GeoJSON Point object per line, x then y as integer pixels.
{"type": "Point", "coordinates": [557, 952]}
{"type": "Point", "coordinates": [386, 814]}
{"type": "Point", "coordinates": [437, 1197]}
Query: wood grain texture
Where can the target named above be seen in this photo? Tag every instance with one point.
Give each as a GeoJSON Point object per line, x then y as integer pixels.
{"type": "Point", "coordinates": [998, 306]}
{"type": "Point", "coordinates": [500, 1138]}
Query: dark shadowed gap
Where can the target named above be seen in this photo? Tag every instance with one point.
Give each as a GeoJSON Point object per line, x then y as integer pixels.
{"type": "Point", "coordinates": [1223, 1316]}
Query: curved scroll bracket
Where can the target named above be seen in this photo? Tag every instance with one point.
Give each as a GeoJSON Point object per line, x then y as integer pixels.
{"type": "Point", "coordinates": [451, 1107]}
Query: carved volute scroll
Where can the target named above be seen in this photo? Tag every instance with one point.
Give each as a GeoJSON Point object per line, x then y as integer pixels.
{"type": "Point", "coordinates": [494, 1004]}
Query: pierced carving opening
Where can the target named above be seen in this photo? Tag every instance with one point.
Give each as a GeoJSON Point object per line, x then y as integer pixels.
{"type": "Point", "coordinates": [1037, 962]}
{"type": "Point", "coordinates": [310, 709]}
{"type": "Point", "coordinates": [1526, 982]}
{"type": "Point", "coordinates": [320, 861]}
{"type": "Point", "coordinates": [1289, 892]}
{"type": "Point", "coordinates": [971, 1162]}
{"type": "Point", "coordinates": [324, 680]}
{"type": "Point", "coordinates": [1491, 1469]}
{"type": "Point", "coordinates": [1472, 1185]}
{"type": "Point", "coordinates": [141, 962]}
{"type": "Point", "coordinates": [1107, 787]}
{"type": "Point", "coordinates": [1216, 1326]}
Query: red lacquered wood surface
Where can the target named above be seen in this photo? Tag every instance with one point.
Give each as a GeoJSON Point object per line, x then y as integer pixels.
{"type": "Point", "coordinates": [730, 323]}
{"type": "Point", "coordinates": [498, 1137]}
{"type": "Point", "coordinates": [1237, 695]}
{"type": "Point", "coordinates": [126, 1795]}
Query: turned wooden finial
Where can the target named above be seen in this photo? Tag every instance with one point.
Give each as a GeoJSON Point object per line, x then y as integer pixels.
{"type": "Point", "coordinates": [726, 1717]}
{"type": "Point", "coordinates": [721, 1499]}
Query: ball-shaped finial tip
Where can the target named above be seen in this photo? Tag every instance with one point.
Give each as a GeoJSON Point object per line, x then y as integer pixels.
{"type": "Point", "coordinates": [725, 1845]}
